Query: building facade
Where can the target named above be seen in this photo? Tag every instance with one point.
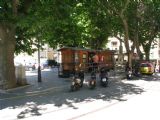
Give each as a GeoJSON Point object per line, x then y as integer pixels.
{"type": "Point", "coordinates": [119, 47]}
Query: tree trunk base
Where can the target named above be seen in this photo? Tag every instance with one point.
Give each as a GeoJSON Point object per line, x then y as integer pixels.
{"type": "Point", "coordinates": [7, 69]}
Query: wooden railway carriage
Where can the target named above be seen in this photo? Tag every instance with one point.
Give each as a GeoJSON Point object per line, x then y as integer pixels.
{"type": "Point", "coordinates": [76, 59]}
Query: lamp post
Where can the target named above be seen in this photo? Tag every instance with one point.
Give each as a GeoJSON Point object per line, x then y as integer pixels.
{"type": "Point", "coordinates": [39, 67]}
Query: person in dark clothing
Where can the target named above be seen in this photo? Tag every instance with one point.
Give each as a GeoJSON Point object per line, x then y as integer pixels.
{"type": "Point", "coordinates": [127, 67]}
{"type": "Point", "coordinates": [95, 62]}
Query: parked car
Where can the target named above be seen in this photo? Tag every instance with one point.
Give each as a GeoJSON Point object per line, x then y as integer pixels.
{"type": "Point", "coordinates": [30, 66]}
{"type": "Point", "coordinates": [52, 63]}
{"type": "Point", "coordinates": [146, 68]}
{"type": "Point", "coordinates": [46, 64]}
{"type": "Point", "coordinates": [49, 63]}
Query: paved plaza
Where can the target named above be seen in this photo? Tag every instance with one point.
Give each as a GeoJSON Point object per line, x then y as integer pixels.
{"type": "Point", "coordinates": [122, 99]}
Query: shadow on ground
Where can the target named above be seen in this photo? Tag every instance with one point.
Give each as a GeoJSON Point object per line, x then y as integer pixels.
{"type": "Point", "coordinates": [33, 105]}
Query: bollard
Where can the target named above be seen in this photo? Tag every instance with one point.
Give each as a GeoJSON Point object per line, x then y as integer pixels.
{"type": "Point", "coordinates": [20, 75]}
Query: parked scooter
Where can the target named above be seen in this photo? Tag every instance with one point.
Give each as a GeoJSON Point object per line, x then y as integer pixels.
{"type": "Point", "coordinates": [92, 81]}
{"type": "Point", "coordinates": [103, 77]}
{"type": "Point", "coordinates": [76, 83]}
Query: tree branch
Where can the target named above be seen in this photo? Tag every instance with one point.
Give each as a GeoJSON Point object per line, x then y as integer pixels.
{"type": "Point", "coordinates": [119, 39]}
{"type": "Point", "coordinates": [125, 7]}
{"type": "Point", "coordinates": [15, 5]}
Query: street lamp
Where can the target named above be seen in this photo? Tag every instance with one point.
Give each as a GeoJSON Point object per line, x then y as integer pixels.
{"type": "Point", "coordinates": [39, 67]}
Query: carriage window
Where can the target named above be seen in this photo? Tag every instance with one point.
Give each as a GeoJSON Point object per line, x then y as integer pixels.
{"type": "Point", "coordinates": [84, 58]}
{"type": "Point", "coordinates": [76, 57]}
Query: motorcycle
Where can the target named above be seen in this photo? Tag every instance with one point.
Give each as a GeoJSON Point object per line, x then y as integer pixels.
{"type": "Point", "coordinates": [76, 83]}
{"type": "Point", "coordinates": [92, 81]}
{"type": "Point", "coordinates": [103, 78]}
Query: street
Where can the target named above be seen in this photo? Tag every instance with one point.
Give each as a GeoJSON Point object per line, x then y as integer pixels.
{"type": "Point", "coordinates": [122, 99]}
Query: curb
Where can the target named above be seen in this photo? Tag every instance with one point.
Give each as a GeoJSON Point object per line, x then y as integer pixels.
{"type": "Point", "coordinates": [17, 88]}
{"type": "Point", "coordinates": [34, 93]}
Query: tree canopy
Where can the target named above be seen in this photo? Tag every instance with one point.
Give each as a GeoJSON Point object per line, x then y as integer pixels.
{"type": "Point", "coordinates": [83, 23]}
{"type": "Point", "coordinates": [79, 23]}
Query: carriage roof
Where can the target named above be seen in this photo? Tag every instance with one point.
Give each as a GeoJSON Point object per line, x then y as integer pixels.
{"type": "Point", "coordinates": [84, 49]}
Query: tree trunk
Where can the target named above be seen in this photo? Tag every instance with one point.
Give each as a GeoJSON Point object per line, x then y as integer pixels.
{"type": "Point", "coordinates": [7, 47]}
{"type": "Point", "coordinates": [147, 48]}
{"type": "Point", "coordinates": [147, 56]}
{"type": "Point", "coordinates": [120, 55]}
{"type": "Point", "coordinates": [126, 38]}
{"type": "Point", "coordinates": [137, 43]}
{"type": "Point", "coordinates": [147, 53]}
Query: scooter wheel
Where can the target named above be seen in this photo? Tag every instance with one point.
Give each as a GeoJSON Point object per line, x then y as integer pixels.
{"type": "Point", "coordinates": [104, 85]}
{"type": "Point", "coordinates": [92, 86]}
{"type": "Point", "coordinates": [81, 85]}
{"type": "Point", "coordinates": [73, 88]}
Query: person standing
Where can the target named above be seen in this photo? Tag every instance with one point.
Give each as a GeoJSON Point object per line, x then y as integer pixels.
{"type": "Point", "coordinates": [95, 61]}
